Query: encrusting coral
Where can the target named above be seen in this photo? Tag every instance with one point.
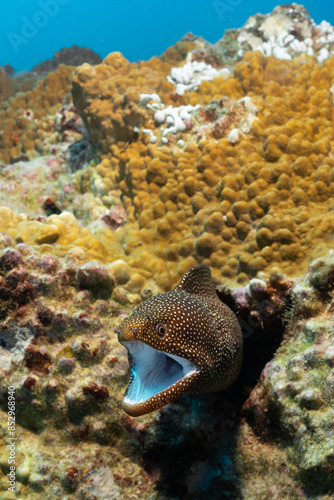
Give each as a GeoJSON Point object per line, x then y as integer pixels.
{"type": "Point", "coordinates": [294, 398]}
{"type": "Point", "coordinates": [240, 194]}
{"type": "Point", "coordinates": [6, 85]}
{"type": "Point", "coordinates": [59, 351]}
{"type": "Point", "coordinates": [56, 348]}
{"type": "Point", "coordinates": [237, 174]}
{"type": "Point", "coordinates": [23, 133]}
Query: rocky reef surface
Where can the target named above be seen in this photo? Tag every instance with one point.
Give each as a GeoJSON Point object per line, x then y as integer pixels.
{"type": "Point", "coordinates": [115, 179]}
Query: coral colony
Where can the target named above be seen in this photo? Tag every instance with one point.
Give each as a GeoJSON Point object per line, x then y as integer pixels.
{"type": "Point", "coordinates": [116, 180]}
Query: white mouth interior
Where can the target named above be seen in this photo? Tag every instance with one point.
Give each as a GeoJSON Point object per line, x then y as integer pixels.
{"type": "Point", "coordinates": [153, 371]}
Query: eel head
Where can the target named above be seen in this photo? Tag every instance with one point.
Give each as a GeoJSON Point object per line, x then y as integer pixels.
{"type": "Point", "coordinates": [175, 345]}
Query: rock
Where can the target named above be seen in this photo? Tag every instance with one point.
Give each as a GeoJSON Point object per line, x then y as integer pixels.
{"type": "Point", "coordinates": [296, 389]}
{"type": "Point", "coordinates": [73, 56]}
{"type": "Point", "coordinates": [95, 277]}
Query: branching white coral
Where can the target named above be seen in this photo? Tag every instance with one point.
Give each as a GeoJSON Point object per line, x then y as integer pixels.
{"type": "Point", "coordinates": [175, 118]}
{"type": "Point", "coordinates": [284, 35]}
{"type": "Point", "coordinates": [192, 74]}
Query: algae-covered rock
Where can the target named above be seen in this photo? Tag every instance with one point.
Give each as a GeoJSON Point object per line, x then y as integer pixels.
{"type": "Point", "coordinates": [69, 374]}
{"type": "Point", "coordinates": [60, 356]}
{"type": "Point", "coordinates": [294, 398]}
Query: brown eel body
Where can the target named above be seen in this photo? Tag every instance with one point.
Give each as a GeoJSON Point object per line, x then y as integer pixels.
{"type": "Point", "coordinates": [183, 341]}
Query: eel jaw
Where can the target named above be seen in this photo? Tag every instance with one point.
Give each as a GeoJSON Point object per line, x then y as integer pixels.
{"type": "Point", "coordinates": [156, 379]}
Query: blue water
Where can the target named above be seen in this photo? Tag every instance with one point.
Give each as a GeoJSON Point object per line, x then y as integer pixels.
{"type": "Point", "coordinates": [32, 30]}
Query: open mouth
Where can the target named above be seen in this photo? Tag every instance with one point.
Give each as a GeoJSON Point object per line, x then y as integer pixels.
{"type": "Point", "coordinates": [153, 371]}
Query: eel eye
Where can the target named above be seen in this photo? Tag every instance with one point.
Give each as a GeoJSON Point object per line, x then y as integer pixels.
{"type": "Point", "coordinates": [160, 329]}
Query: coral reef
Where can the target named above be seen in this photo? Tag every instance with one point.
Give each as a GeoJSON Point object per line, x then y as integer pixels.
{"type": "Point", "coordinates": [32, 130]}
{"type": "Point", "coordinates": [285, 33]}
{"type": "Point", "coordinates": [192, 74]}
{"type": "Point", "coordinates": [60, 352]}
{"type": "Point", "coordinates": [293, 401]}
{"type": "Point", "coordinates": [57, 347]}
{"type": "Point", "coordinates": [7, 87]}
{"type": "Point", "coordinates": [107, 96]}
{"type": "Point", "coordinates": [115, 179]}
{"type": "Point", "coordinates": [238, 174]}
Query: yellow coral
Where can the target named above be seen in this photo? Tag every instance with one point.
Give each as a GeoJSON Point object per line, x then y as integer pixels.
{"type": "Point", "coordinates": [26, 134]}
{"type": "Point", "coordinates": [263, 202]}
{"type": "Point", "coordinates": [225, 204]}
{"type": "Point", "coordinates": [62, 231]}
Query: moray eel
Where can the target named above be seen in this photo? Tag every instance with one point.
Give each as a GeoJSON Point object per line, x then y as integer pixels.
{"type": "Point", "coordinates": [181, 342]}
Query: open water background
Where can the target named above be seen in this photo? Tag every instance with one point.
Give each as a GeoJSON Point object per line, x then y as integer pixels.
{"type": "Point", "coordinates": [32, 30]}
